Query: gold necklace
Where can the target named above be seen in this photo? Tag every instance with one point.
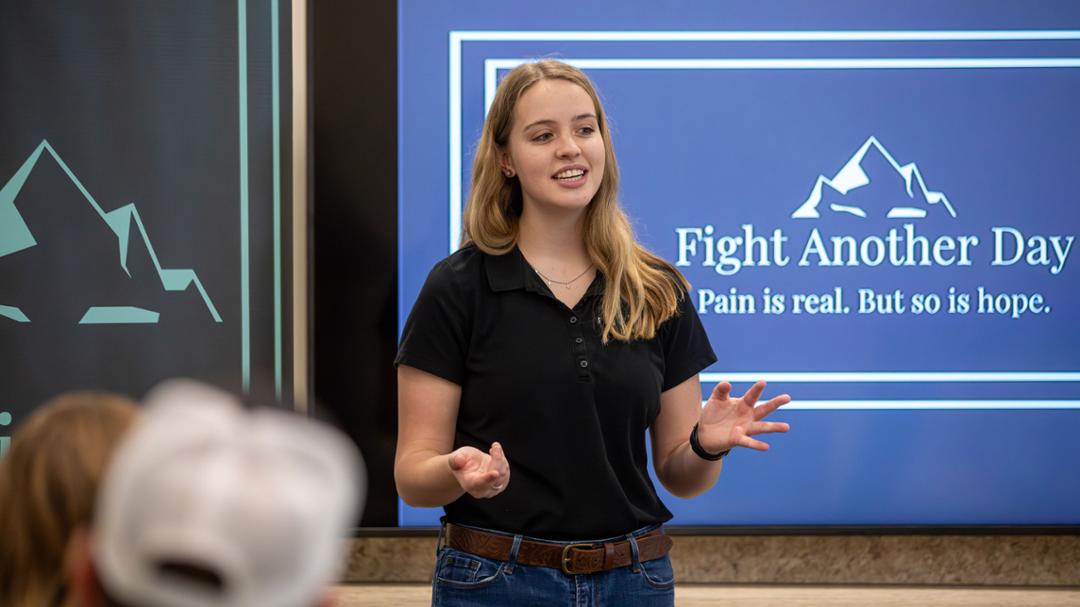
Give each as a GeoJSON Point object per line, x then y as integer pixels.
{"type": "Point", "coordinates": [552, 281]}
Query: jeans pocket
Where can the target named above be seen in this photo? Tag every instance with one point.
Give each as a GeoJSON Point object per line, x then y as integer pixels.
{"type": "Point", "coordinates": [464, 570]}
{"type": "Point", "coordinates": [658, 572]}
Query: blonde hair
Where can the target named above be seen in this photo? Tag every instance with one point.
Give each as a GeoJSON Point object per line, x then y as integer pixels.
{"type": "Point", "coordinates": [48, 483]}
{"type": "Point", "coordinates": [642, 290]}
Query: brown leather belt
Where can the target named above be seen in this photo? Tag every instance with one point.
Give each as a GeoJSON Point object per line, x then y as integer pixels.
{"type": "Point", "coordinates": [571, 559]}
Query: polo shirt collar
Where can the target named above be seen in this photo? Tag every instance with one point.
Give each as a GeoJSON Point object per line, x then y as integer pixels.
{"type": "Point", "coordinates": [510, 271]}
{"type": "Point", "coordinates": [506, 272]}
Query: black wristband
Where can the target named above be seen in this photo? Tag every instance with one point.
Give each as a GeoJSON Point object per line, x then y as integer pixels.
{"type": "Point", "coordinates": [700, 451]}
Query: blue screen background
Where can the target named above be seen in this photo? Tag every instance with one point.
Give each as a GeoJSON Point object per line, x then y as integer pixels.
{"type": "Point", "coordinates": [738, 144]}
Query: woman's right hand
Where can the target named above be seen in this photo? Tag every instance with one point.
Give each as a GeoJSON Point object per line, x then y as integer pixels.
{"type": "Point", "coordinates": [481, 475]}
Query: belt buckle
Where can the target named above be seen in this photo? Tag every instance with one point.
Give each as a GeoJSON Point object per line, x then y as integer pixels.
{"type": "Point", "coordinates": [565, 560]}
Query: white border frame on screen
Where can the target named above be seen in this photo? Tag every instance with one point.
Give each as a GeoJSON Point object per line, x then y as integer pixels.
{"type": "Point", "coordinates": [492, 65]}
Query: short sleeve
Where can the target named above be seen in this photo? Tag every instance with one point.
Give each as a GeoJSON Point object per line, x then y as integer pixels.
{"type": "Point", "coordinates": [435, 335]}
{"type": "Point", "coordinates": [685, 344]}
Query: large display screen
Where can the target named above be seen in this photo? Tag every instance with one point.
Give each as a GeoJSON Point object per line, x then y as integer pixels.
{"type": "Point", "coordinates": [144, 213]}
{"type": "Point", "coordinates": [877, 210]}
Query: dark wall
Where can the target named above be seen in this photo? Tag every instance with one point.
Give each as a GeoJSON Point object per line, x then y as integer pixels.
{"type": "Point", "coordinates": [354, 73]}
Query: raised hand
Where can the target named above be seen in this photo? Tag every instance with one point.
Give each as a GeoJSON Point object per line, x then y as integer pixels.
{"type": "Point", "coordinates": [481, 475]}
{"type": "Point", "coordinates": [728, 422]}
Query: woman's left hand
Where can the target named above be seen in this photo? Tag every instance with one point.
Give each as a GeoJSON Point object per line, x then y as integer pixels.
{"type": "Point", "coordinates": [728, 422]}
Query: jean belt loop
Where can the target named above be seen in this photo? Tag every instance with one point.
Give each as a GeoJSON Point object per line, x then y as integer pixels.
{"type": "Point", "coordinates": [634, 552]}
{"type": "Point", "coordinates": [442, 536]}
{"type": "Point", "coordinates": [513, 554]}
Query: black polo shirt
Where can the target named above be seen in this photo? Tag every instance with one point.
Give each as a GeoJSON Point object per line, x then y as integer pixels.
{"type": "Point", "coordinates": [570, 412]}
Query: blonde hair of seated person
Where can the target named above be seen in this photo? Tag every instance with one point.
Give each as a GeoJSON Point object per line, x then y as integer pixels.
{"type": "Point", "coordinates": [48, 483]}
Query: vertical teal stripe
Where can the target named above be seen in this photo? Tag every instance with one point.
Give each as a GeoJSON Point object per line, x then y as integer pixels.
{"type": "Point", "coordinates": [276, 71]}
{"type": "Point", "coordinates": [245, 286]}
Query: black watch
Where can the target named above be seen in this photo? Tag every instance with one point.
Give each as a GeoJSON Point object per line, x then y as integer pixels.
{"type": "Point", "coordinates": [700, 451]}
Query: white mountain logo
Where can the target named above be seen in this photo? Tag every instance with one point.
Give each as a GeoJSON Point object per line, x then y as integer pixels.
{"type": "Point", "coordinates": [835, 191]}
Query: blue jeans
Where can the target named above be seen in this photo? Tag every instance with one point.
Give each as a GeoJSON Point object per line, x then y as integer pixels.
{"type": "Point", "coordinates": [463, 579]}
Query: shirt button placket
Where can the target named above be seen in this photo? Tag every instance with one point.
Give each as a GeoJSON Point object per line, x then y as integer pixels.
{"type": "Point", "coordinates": [578, 347]}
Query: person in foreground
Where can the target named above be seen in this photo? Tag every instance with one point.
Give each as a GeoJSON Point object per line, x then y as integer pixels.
{"type": "Point", "coordinates": [48, 483]}
{"type": "Point", "coordinates": [207, 504]}
{"type": "Point", "coordinates": [536, 357]}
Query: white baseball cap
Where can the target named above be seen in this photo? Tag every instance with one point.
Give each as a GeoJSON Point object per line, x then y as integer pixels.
{"type": "Point", "coordinates": [207, 504]}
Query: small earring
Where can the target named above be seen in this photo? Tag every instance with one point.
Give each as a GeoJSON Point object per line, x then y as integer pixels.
{"type": "Point", "coordinates": [508, 173]}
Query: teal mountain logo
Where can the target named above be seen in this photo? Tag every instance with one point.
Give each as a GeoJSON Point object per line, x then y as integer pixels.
{"type": "Point", "coordinates": [869, 183]}
{"type": "Point", "coordinates": [122, 226]}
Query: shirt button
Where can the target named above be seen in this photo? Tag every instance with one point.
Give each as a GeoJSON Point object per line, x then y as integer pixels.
{"type": "Point", "coordinates": [573, 320]}
{"type": "Point", "coordinates": [578, 340]}
{"type": "Point", "coordinates": [583, 364]}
